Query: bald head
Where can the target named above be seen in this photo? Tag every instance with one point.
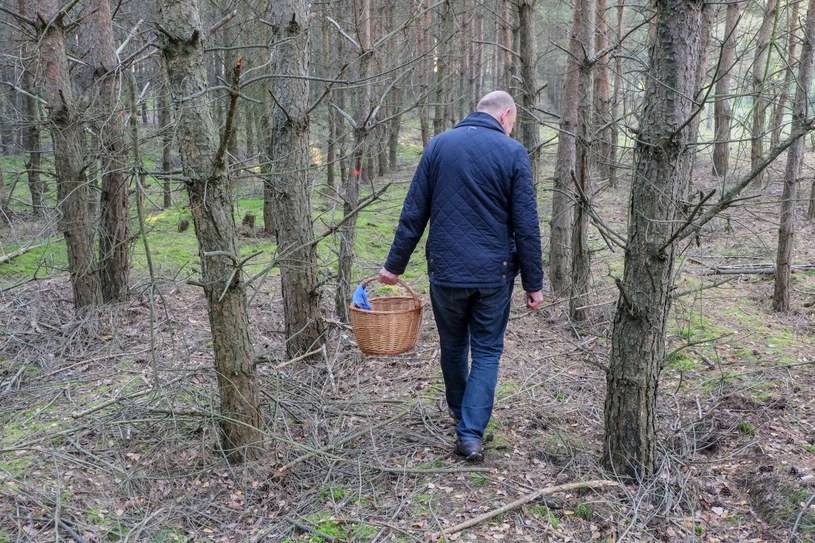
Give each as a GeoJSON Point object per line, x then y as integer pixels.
{"type": "Point", "coordinates": [500, 105]}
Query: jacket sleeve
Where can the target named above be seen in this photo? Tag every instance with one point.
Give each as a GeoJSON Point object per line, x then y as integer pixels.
{"type": "Point", "coordinates": [414, 217]}
{"type": "Point", "coordinates": [525, 224]}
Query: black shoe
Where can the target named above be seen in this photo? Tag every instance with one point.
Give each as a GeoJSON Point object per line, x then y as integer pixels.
{"type": "Point", "coordinates": [470, 450]}
{"type": "Point", "coordinates": [453, 415]}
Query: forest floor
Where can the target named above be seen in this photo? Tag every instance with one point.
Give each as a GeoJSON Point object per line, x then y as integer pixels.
{"type": "Point", "coordinates": [109, 426]}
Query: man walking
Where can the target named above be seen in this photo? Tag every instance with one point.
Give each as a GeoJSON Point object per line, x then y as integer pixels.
{"type": "Point", "coordinates": [474, 186]}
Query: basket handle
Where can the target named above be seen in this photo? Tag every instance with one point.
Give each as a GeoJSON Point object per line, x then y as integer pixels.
{"type": "Point", "coordinates": [367, 280]}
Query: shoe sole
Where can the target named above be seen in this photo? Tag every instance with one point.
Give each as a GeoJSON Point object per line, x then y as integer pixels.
{"type": "Point", "coordinates": [474, 457]}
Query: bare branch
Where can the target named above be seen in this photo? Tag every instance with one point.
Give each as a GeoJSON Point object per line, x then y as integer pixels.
{"type": "Point", "coordinates": [230, 116]}
{"type": "Point", "coordinates": [129, 37]}
{"type": "Point", "coordinates": [345, 34]}
{"type": "Point", "coordinates": [225, 19]}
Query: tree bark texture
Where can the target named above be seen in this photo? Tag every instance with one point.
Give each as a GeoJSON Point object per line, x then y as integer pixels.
{"type": "Point", "coordinates": [529, 125]}
{"type": "Point", "coordinates": [363, 123]}
{"type": "Point", "coordinates": [801, 113]}
{"type": "Point", "coordinates": [444, 63]}
{"type": "Point", "coordinates": [31, 129]}
{"type": "Point", "coordinates": [67, 132]}
{"type": "Point", "coordinates": [581, 258]}
{"type": "Point", "coordinates": [662, 171]}
{"type": "Point", "coordinates": [288, 155]}
{"type": "Point", "coordinates": [424, 69]}
{"type": "Point", "coordinates": [166, 128]}
{"type": "Point", "coordinates": [563, 198]}
{"type": "Point", "coordinates": [789, 71]}
{"type": "Point", "coordinates": [207, 183]}
{"type": "Point", "coordinates": [614, 134]}
{"type": "Point", "coordinates": [105, 95]}
{"type": "Point", "coordinates": [722, 109]}
{"type": "Point", "coordinates": [603, 120]}
{"type": "Point", "coordinates": [759, 77]}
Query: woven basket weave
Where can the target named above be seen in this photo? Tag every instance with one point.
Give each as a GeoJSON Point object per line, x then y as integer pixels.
{"type": "Point", "coordinates": [391, 327]}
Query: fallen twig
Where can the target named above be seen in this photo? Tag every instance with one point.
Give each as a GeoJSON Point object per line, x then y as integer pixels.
{"type": "Point", "coordinates": [309, 530]}
{"type": "Point", "coordinates": [526, 499]}
{"type": "Point", "coordinates": [345, 439]}
{"type": "Point", "coordinates": [765, 269]}
{"type": "Point", "coordinates": [19, 252]}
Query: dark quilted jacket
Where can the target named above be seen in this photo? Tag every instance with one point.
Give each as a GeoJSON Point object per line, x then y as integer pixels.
{"type": "Point", "coordinates": [474, 185]}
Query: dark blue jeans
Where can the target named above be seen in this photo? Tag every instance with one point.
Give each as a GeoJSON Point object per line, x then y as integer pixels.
{"type": "Point", "coordinates": [471, 321]}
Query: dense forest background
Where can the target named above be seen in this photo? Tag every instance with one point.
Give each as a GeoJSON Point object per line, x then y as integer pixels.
{"type": "Point", "coordinates": [190, 191]}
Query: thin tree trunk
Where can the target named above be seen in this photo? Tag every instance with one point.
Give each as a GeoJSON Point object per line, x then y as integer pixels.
{"type": "Point", "coordinates": [613, 151]}
{"type": "Point", "coordinates": [811, 206]}
{"type": "Point", "coordinates": [759, 73]}
{"type": "Point", "coordinates": [289, 156]}
{"type": "Point", "coordinates": [722, 109]}
{"type": "Point", "coordinates": [356, 162]}
{"type": "Point", "coordinates": [443, 72]}
{"type": "Point", "coordinates": [777, 122]}
{"type": "Point", "coordinates": [114, 234]}
{"type": "Point", "coordinates": [507, 62]}
{"type": "Point", "coordinates": [563, 196]}
{"type": "Point", "coordinates": [477, 56]}
{"type": "Point", "coordinates": [67, 132]}
{"type": "Point", "coordinates": [205, 170]}
{"type": "Point", "coordinates": [661, 173]}
{"type": "Point", "coordinates": [529, 125]}
{"type": "Point", "coordinates": [801, 112]}
{"type": "Point", "coordinates": [31, 130]}
{"type": "Point", "coordinates": [328, 52]}
{"type": "Point", "coordinates": [581, 258]}
{"type": "Point", "coordinates": [395, 126]}
{"type": "Point", "coordinates": [424, 69]}
{"type": "Point", "coordinates": [603, 119]}
{"type": "Point", "coordinates": [166, 129]}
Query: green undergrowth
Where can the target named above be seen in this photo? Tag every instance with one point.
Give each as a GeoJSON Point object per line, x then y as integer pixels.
{"type": "Point", "coordinates": [173, 246]}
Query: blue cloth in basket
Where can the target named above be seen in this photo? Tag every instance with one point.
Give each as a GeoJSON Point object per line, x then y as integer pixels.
{"type": "Point", "coordinates": [361, 298]}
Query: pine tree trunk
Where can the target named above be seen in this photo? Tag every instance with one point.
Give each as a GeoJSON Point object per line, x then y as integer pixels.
{"type": "Point", "coordinates": [114, 234]}
{"type": "Point", "coordinates": [662, 171]}
{"type": "Point", "coordinates": [528, 123]}
{"type": "Point", "coordinates": [165, 121]}
{"type": "Point", "coordinates": [792, 174]}
{"type": "Point", "coordinates": [66, 128]}
{"type": "Point", "coordinates": [603, 119]}
{"type": "Point", "coordinates": [777, 122]}
{"type": "Point", "coordinates": [443, 72]}
{"type": "Point", "coordinates": [613, 151]}
{"type": "Point", "coordinates": [581, 258]}
{"type": "Point", "coordinates": [31, 132]}
{"type": "Point", "coordinates": [563, 193]}
{"type": "Point", "coordinates": [356, 160]}
{"type": "Point", "coordinates": [289, 179]}
{"type": "Point", "coordinates": [759, 73]}
{"type": "Point", "coordinates": [424, 70]}
{"type": "Point", "coordinates": [205, 172]}
{"type": "Point", "coordinates": [722, 110]}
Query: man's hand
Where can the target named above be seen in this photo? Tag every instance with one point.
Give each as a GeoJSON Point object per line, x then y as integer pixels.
{"type": "Point", "coordinates": [387, 277]}
{"type": "Point", "coordinates": [533, 299]}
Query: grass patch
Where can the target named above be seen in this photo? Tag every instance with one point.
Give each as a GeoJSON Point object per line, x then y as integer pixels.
{"type": "Point", "coordinates": [506, 390]}
{"type": "Point", "coordinates": [332, 493]}
{"type": "Point", "coordinates": [746, 427]}
{"type": "Point", "coordinates": [681, 362]}
{"type": "Point", "coordinates": [543, 512]}
{"type": "Point", "coordinates": [495, 436]}
{"type": "Point", "coordinates": [583, 511]}
{"type": "Point", "coordinates": [478, 479]}
{"type": "Point", "coordinates": [16, 467]}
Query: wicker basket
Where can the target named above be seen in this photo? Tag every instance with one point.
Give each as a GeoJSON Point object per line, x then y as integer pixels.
{"type": "Point", "coordinates": [392, 326]}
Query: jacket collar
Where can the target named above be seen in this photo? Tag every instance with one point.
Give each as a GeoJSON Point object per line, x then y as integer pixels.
{"type": "Point", "coordinates": [479, 118]}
